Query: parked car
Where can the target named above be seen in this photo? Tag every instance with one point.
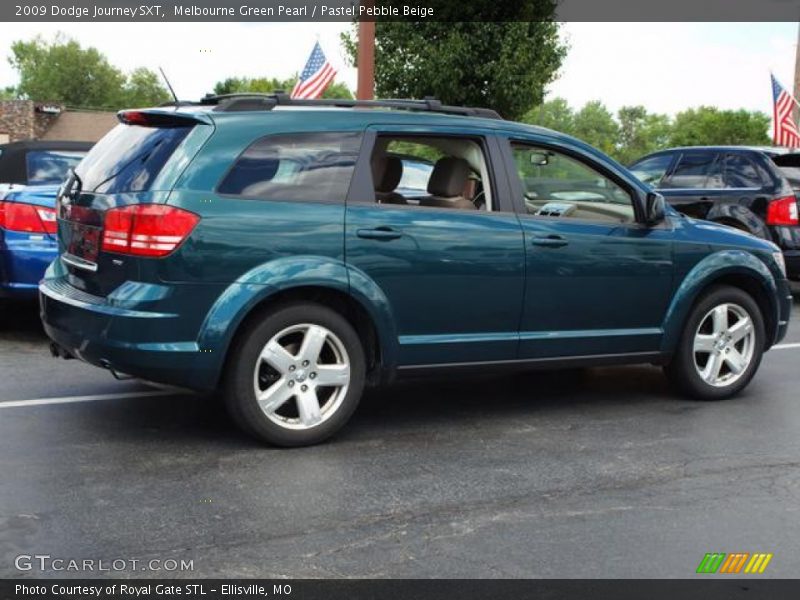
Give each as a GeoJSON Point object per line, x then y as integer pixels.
{"type": "Point", "coordinates": [250, 244]}
{"type": "Point", "coordinates": [747, 188]}
{"type": "Point", "coordinates": [29, 174]}
{"type": "Point", "coordinates": [27, 240]}
{"type": "Point", "coordinates": [38, 162]}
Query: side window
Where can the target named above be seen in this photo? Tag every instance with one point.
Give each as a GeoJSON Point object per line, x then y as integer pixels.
{"type": "Point", "coordinates": [740, 172]}
{"type": "Point", "coordinates": [695, 170]}
{"type": "Point", "coordinates": [431, 171]}
{"type": "Point", "coordinates": [559, 186]}
{"type": "Point", "coordinates": [304, 166]}
{"type": "Point", "coordinates": [651, 170]}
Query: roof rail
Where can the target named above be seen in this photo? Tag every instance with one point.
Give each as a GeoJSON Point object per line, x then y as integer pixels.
{"type": "Point", "coordinates": [248, 101]}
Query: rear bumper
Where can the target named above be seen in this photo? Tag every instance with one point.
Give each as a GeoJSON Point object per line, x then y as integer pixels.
{"type": "Point", "coordinates": [128, 341]}
{"type": "Point", "coordinates": [792, 258]}
{"type": "Point", "coordinates": [788, 240]}
{"type": "Point", "coordinates": [23, 261]}
{"type": "Point", "coordinates": [785, 302]}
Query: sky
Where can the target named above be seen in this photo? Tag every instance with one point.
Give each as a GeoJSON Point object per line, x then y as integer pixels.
{"type": "Point", "coordinates": [666, 67]}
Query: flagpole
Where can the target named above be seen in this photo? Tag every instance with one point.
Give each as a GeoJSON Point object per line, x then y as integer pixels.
{"type": "Point", "coordinates": [797, 76]}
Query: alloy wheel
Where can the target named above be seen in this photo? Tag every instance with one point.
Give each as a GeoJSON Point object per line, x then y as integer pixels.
{"type": "Point", "coordinates": [301, 376]}
{"type": "Point", "coordinates": [724, 344]}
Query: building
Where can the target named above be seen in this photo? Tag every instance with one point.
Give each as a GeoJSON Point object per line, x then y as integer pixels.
{"type": "Point", "coordinates": [26, 120]}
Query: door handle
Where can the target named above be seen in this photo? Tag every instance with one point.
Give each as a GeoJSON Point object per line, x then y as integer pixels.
{"type": "Point", "coordinates": [550, 241]}
{"type": "Point", "coordinates": [383, 234]}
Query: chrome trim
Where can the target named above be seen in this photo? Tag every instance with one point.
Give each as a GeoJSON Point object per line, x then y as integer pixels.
{"type": "Point", "coordinates": [79, 263]}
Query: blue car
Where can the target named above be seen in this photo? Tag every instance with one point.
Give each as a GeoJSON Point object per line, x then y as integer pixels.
{"type": "Point", "coordinates": [30, 172]}
{"type": "Point", "coordinates": [28, 240]}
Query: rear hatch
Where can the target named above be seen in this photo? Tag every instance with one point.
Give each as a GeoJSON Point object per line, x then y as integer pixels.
{"type": "Point", "coordinates": [136, 163]}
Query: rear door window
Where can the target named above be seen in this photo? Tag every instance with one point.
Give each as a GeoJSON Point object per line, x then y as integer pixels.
{"type": "Point", "coordinates": [695, 170]}
{"type": "Point", "coordinates": [297, 167]}
{"type": "Point", "coordinates": [50, 166]}
{"type": "Point", "coordinates": [129, 158]}
{"type": "Point", "coordinates": [741, 172]}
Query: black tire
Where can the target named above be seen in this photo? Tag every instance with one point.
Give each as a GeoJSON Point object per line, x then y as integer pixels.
{"type": "Point", "coordinates": [238, 385]}
{"type": "Point", "coordinates": [682, 371]}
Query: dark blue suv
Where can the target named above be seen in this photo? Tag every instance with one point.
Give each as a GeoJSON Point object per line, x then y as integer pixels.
{"type": "Point", "coordinates": [265, 247]}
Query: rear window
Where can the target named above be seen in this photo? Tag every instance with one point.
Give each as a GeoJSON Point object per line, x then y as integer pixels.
{"type": "Point", "coordinates": [740, 172]}
{"type": "Point", "coordinates": [299, 167]}
{"type": "Point", "coordinates": [50, 166]}
{"type": "Point", "coordinates": [129, 158]}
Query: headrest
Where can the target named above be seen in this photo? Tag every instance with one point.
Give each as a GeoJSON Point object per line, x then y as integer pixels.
{"type": "Point", "coordinates": [449, 176]}
{"type": "Point", "coordinates": [387, 171]}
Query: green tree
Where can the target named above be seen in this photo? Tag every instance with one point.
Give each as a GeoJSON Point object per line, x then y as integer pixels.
{"type": "Point", "coordinates": [494, 54]}
{"type": "Point", "coordinates": [144, 88]}
{"type": "Point", "coordinates": [63, 71]}
{"type": "Point", "coordinates": [266, 85]}
{"type": "Point", "coordinates": [554, 114]}
{"type": "Point", "coordinates": [595, 125]}
{"type": "Point", "coordinates": [640, 133]}
{"type": "Point", "coordinates": [709, 125]}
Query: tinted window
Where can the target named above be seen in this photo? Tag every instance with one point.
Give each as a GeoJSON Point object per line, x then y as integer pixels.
{"type": "Point", "coordinates": [559, 186]}
{"type": "Point", "coordinates": [740, 172]}
{"type": "Point", "coordinates": [695, 170]}
{"type": "Point", "coordinates": [50, 166]}
{"type": "Point", "coordinates": [651, 170]}
{"type": "Point", "coordinates": [129, 158]}
{"type": "Point", "coordinates": [314, 166]}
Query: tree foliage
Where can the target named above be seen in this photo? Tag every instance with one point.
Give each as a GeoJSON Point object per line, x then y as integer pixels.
{"type": "Point", "coordinates": [634, 132]}
{"type": "Point", "coordinates": [266, 85]}
{"type": "Point", "coordinates": [484, 62]}
{"type": "Point", "coordinates": [709, 125]}
{"type": "Point", "coordinates": [65, 72]}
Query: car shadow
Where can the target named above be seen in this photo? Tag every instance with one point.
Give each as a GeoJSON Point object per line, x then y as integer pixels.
{"type": "Point", "coordinates": [19, 320]}
{"type": "Point", "coordinates": [412, 408]}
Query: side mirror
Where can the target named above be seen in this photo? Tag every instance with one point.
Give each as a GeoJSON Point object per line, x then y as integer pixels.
{"type": "Point", "coordinates": [654, 209]}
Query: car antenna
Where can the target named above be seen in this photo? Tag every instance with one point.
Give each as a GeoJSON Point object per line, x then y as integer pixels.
{"type": "Point", "coordinates": [169, 85]}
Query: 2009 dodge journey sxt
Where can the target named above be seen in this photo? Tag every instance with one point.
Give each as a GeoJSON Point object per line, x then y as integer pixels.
{"type": "Point", "coordinates": [288, 253]}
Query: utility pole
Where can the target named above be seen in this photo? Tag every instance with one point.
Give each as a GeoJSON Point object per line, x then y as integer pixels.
{"type": "Point", "coordinates": [366, 57]}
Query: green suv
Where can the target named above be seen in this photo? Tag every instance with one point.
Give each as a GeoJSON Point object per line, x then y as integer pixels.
{"type": "Point", "coordinates": [288, 253]}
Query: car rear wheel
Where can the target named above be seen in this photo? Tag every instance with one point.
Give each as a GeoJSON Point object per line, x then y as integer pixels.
{"type": "Point", "coordinates": [721, 345]}
{"type": "Point", "coordinates": [297, 376]}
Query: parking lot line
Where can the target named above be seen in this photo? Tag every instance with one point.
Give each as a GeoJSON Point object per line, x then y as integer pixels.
{"type": "Point", "coordinates": [96, 397]}
{"type": "Point", "coordinates": [786, 346]}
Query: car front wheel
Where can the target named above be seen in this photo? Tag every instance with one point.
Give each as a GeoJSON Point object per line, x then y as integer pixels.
{"type": "Point", "coordinates": [297, 376]}
{"type": "Point", "coordinates": [720, 347]}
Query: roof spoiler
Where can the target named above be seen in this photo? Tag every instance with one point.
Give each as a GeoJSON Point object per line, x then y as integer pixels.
{"type": "Point", "coordinates": [161, 118]}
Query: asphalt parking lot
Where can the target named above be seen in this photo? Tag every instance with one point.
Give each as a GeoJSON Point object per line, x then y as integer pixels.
{"type": "Point", "coordinates": [597, 473]}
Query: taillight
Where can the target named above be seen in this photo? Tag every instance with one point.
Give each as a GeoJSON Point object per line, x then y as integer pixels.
{"type": "Point", "coordinates": [147, 229]}
{"type": "Point", "coordinates": [27, 218]}
{"type": "Point", "coordinates": [782, 211]}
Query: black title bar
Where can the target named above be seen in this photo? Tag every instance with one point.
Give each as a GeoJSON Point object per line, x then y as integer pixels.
{"type": "Point", "coordinates": [397, 10]}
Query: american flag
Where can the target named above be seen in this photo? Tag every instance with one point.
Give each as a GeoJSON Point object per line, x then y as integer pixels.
{"type": "Point", "coordinates": [786, 133]}
{"type": "Point", "coordinates": [316, 76]}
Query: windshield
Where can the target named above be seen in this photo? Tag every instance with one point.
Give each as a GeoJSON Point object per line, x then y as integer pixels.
{"type": "Point", "coordinates": [50, 166]}
{"type": "Point", "coordinates": [129, 158]}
